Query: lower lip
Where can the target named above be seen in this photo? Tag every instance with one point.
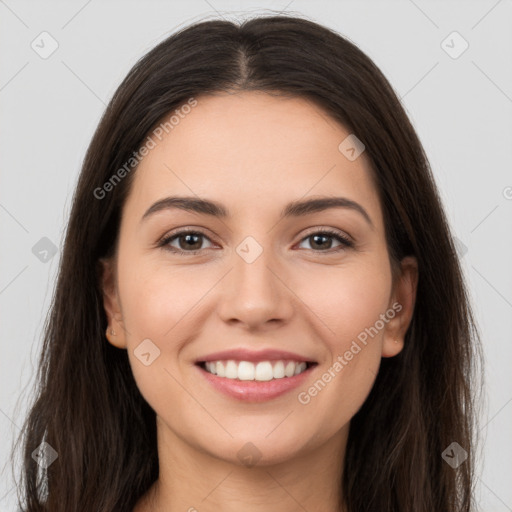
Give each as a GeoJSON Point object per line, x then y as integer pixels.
{"type": "Point", "coordinates": [252, 390]}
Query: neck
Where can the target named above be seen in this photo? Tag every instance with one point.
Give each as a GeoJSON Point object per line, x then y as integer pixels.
{"type": "Point", "coordinates": [191, 480]}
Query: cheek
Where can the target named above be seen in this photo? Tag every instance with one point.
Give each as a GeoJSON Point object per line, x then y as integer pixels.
{"type": "Point", "coordinates": [347, 300]}
{"type": "Point", "coordinates": [157, 305]}
{"type": "Point", "coordinates": [161, 309]}
{"type": "Point", "coordinates": [159, 301]}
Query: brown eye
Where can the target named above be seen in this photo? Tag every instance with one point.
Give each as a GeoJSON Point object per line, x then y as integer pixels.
{"type": "Point", "coordinates": [187, 242]}
{"type": "Point", "coordinates": [321, 241]}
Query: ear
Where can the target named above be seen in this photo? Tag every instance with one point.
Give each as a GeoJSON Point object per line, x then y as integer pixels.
{"type": "Point", "coordinates": [402, 304]}
{"type": "Point", "coordinates": [108, 282]}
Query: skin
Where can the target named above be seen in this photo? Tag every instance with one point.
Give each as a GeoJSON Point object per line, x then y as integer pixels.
{"type": "Point", "coordinates": [253, 153]}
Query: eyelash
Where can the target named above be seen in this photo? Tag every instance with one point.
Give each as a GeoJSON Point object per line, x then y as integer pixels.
{"type": "Point", "coordinates": [346, 243]}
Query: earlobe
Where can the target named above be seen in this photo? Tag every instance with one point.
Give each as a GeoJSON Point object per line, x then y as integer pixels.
{"type": "Point", "coordinates": [402, 303]}
{"type": "Point", "coordinates": [115, 333]}
{"type": "Point", "coordinates": [115, 338]}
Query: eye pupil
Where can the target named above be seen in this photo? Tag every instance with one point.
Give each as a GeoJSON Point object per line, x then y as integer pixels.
{"type": "Point", "coordinates": [316, 242]}
{"type": "Point", "coordinates": [188, 238]}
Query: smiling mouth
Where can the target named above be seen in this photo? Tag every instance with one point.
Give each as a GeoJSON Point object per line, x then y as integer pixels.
{"type": "Point", "coordinates": [262, 371]}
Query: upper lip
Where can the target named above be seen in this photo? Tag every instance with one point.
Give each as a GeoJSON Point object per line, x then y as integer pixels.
{"type": "Point", "coordinates": [242, 354]}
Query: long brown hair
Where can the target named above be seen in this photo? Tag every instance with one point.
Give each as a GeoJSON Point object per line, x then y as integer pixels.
{"type": "Point", "coordinates": [87, 406]}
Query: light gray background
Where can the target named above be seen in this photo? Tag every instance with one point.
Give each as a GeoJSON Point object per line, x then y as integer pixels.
{"type": "Point", "coordinates": [460, 107]}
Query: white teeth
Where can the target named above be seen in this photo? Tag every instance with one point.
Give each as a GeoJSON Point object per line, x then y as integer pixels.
{"type": "Point", "coordinates": [219, 366]}
{"type": "Point", "coordinates": [262, 371]}
{"type": "Point", "coordinates": [231, 370]}
{"type": "Point", "coordinates": [290, 369]}
{"type": "Point", "coordinates": [245, 371]}
{"type": "Point", "coordinates": [278, 370]}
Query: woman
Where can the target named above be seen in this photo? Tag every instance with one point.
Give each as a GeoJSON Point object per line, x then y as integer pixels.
{"type": "Point", "coordinates": [259, 304]}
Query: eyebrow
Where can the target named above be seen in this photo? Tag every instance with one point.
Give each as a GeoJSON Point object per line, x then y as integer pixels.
{"type": "Point", "coordinates": [298, 208]}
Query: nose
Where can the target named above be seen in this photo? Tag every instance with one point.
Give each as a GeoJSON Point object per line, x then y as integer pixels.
{"type": "Point", "coordinates": [256, 295]}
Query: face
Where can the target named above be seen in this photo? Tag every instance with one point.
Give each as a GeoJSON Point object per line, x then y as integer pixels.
{"type": "Point", "coordinates": [269, 285]}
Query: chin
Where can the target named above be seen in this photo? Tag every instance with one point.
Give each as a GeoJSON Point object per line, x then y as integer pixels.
{"type": "Point", "coordinates": [258, 449]}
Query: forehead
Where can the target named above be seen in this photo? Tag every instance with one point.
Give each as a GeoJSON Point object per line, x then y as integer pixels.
{"type": "Point", "coordinates": [251, 148]}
